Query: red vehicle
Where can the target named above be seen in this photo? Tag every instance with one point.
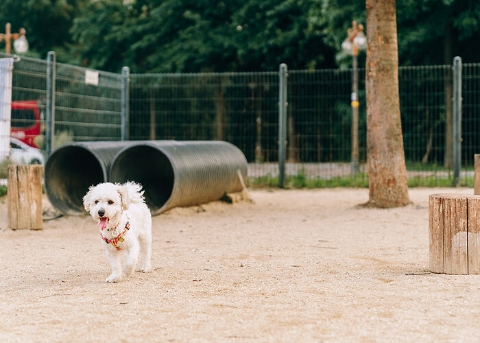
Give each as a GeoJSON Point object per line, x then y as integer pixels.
{"type": "Point", "coordinates": [26, 121]}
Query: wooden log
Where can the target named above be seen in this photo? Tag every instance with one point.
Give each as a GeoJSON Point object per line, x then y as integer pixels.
{"type": "Point", "coordinates": [473, 235]}
{"type": "Point", "coordinates": [24, 196]}
{"type": "Point", "coordinates": [436, 233]}
{"type": "Point", "coordinates": [476, 175]}
{"type": "Point", "coordinates": [454, 234]}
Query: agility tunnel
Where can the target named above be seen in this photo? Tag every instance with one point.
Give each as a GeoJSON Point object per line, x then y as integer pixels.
{"type": "Point", "coordinates": [74, 167]}
{"type": "Point", "coordinates": [172, 173]}
{"type": "Point", "coordinates": [181, 173]}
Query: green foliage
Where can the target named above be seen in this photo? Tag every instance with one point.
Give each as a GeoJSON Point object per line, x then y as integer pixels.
{"type": "Point", "coordinates": [332, 19]}
{"type": "Point", "coordinates": [419, 166]}
{"type": "Point", "coordinates": [59, 139]}
{"type": "Point", "coordinates": [433, 32]}
{"type": "Point", "coordinates": [4, 169]}
{"type": "Point", "coordinates": [47, 23]}
{"type": "Point", "coordinates": [300, 181]}
{"type": "Point", "coordinates": [436, 181]}
{"type": "Point", "coordinates": [429, 31]}
{"type": "Point", "coordinates": [247, 35]}
{"type": "Point", "coordinates": [3, 191]}
{"type": "Point", "coordinates": [198, 36]}
{"type": "Point", "coordinates": [278, 31]}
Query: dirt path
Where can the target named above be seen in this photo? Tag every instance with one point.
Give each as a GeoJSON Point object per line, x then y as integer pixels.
{"type": "Point", "coordinates": [296, 266]}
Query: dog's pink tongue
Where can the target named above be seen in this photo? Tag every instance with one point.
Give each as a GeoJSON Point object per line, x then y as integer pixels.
{"type": "Point", "coordinates": [103, 223]}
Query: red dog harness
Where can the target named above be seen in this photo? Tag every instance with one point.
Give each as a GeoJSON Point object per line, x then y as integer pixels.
{"type": "Point", "coordinates": [119, 238]}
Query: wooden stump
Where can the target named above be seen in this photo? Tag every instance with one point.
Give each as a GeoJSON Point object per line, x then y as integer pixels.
{"type": "Point", "coordinates": [454, 234]}
{"type": "Point", "coordinates": [24, 195]}
{"type": "Point", "coordinates": [476, 175]}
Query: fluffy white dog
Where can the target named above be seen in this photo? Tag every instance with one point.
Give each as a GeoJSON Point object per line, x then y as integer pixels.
{"type": "Point", "coordinates": [125, 226]}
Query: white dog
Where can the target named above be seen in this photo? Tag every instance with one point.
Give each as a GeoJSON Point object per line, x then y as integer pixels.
{"type": "Point", "coordinates": [125, 225]}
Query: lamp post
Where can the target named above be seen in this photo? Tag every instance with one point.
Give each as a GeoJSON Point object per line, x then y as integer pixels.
{"type": "Point", "coordinates": [20, 43]}
{"type": "Point", "coordinates": [355, 41]}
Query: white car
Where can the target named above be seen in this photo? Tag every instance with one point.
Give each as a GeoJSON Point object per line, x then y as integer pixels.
{"type": "Point", "coordinates": [21, 153]}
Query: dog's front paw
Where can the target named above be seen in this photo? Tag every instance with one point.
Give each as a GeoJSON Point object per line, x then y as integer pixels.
{"type": "Point", "coordinates": [145, 268]}
{"type": "Point", "coordinates": [114, 278]}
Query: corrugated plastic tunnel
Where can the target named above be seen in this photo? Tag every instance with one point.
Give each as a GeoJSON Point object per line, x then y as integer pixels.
{"type": "Point", "coordinates": [74, 167]}
{"type": "Point", "coordinates": [172, 173]}
{"type": "Point", "coordinates": [181, 173]}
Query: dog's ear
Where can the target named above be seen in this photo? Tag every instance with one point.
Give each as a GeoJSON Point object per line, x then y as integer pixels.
{"type": "Point", "coordinates": [124, 196]}
{"type": "Point", "coordinates": [87, 199]}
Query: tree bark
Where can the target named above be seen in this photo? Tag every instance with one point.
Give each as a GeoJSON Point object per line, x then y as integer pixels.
{"type": "Point", "coordinates": [220, 109]}
{"type": "Point", "coordinates": [387, 173]}
{"type": "Point", "coordinates": [448, 159]}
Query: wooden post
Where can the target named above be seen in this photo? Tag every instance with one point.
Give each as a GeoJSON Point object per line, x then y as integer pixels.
{"type": "Point", "coordinates": [24, 195]}
{"type": "Point", "coordinates": [454, 233]}
{"type": "Point", "coordinates": [476, 177]}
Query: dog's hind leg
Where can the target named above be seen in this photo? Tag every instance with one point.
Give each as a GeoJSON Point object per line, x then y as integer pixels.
{"type": "Point", "coordinates": [145, 239]}
{"type": "Point", "coordinates": [146, 243]}
{"type": "Point", "coordinates": [131, 259]}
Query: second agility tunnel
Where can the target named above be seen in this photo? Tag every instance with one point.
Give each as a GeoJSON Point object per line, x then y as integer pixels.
{"type": "Point", "coordinates": [181, 173]}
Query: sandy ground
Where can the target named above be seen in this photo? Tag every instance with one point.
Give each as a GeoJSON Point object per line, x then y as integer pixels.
{"type": "Point", "coordinates": [295, 266]}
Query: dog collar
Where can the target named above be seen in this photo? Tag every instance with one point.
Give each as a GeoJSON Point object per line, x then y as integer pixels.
{"type": "Point", "coordinates": [119, 238]}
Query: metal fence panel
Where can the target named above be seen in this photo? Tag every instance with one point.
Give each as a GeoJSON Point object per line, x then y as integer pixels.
{"type": "Point", "coordinates": [424, 105]}
{"type": "Point", "coordinates": [470, 113]}
{"type": "Point", "coordinates": [87, 104]}
{"type": "Point", "coordinates": [240, 108]}
{"type": "Point", "coordinates": [243, 109]}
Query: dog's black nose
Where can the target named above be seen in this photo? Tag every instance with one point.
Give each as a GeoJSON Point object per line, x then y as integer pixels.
{"type": "Point", "coordinates": [101, 213]}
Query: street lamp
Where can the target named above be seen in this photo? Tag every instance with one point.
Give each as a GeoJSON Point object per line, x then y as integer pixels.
{"type": "Point", "coordinates": [355, 41]}
{"type": "Point", "coordinates": [20, 43]}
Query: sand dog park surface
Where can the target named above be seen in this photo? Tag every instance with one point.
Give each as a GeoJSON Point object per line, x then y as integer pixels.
{"type": "Point", "coordinates": [294, 266]}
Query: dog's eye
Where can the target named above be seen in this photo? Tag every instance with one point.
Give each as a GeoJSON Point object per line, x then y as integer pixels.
{"type": "Point", "coordinates": [96, 202]}
{"type": "Point", "coordinates": [110, 202]}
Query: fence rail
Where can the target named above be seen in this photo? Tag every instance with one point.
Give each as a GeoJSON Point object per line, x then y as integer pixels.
{"type": "Point", "coordinates": [243, 108]}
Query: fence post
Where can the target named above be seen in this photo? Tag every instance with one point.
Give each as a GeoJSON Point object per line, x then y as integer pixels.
{"type": "Point", "coordinates": [457, 119]}
{"type": "Point", "coordinates": [6, 66]}
{"type": "Point", "coordinates": [125, 104]}
{"type": "Point", "coordinates": [282, 123]}
{"type": "Point", "coordinates": [50, 103]}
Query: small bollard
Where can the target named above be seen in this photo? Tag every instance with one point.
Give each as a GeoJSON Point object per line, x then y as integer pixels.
{"type": "Point", "coordinates": [24, 196]}
{"type": "Point", "coordinates": [454, 233]}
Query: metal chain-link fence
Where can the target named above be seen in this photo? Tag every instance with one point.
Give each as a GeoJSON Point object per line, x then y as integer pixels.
{"type": "Point", "coordinates": [243, 109]}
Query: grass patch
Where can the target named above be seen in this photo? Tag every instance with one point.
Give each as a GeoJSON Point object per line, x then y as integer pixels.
{"type": "Point", "coordinates": [433, 181]}
{"type": "Point", "coordinates": [4, 169]}
{"type": "Point", "coordinates": [419, 166]}
{"type": "Point", "coordinates": [301, 181]}
{"type": "Point", "coordinates": [359, 181]}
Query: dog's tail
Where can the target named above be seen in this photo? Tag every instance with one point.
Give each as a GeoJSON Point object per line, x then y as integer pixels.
{"type": "Point", "coordinates": [133, 192]}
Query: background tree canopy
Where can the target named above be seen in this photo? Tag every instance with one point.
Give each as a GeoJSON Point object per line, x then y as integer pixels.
{"type": "Point", "coordinates": [247, 35]}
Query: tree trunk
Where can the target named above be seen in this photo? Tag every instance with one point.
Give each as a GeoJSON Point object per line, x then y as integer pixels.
{"type": "Point", "coordinates": [448, 159]}
{"type": "Point", "coordinates": [220, 109]}
{"type": "Point", "coordinates": [387, 173]}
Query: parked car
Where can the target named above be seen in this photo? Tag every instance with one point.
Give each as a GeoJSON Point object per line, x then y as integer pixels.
{"type": "Point", "coordinates": [21, 153]}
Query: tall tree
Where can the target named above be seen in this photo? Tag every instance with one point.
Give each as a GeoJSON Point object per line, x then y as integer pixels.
{"type": "Point", "coordinates": [47, 23]}
{"type": "Point", "coordinates": [199, 36]}
{"type": "Point", "coordinates": [387, 173]}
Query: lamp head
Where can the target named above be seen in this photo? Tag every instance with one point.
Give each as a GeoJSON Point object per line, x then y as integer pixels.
{"type": "Point", "coordinates": [347, 47]}
{"type": "Point", "coordinates": [21, 44]}
{"type": "Point", "coordinates": [360, 41]}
